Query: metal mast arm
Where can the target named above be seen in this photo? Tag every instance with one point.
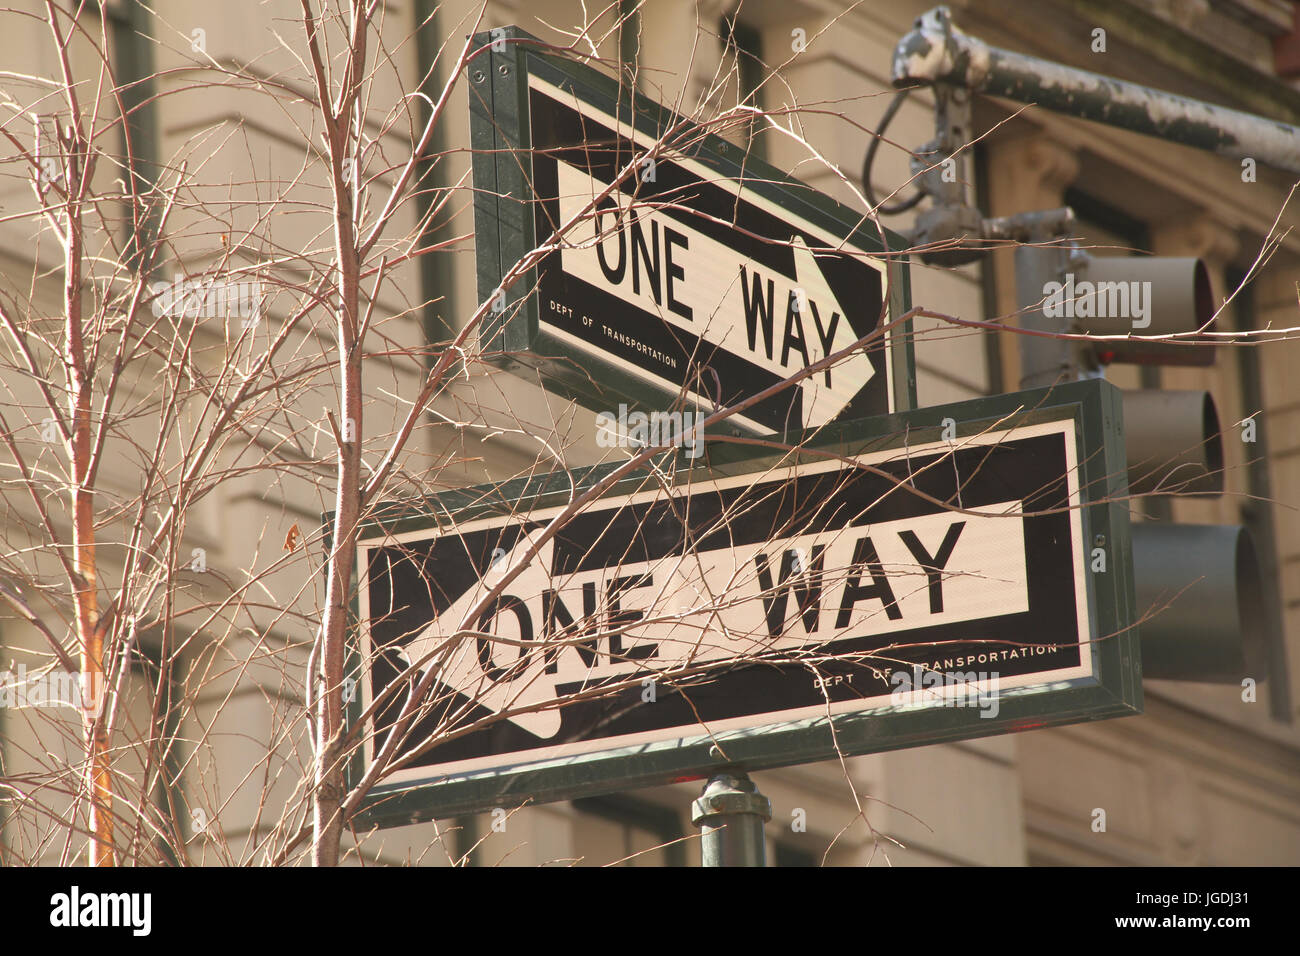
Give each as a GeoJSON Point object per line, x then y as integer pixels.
{"type": "Point", "coordinates": [936, 51]}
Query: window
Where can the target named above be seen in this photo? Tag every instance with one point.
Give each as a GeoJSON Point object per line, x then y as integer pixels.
{"type": "Point", "coordinates": [623, 828]}
{"type": "Point", "coordinates": [786, 854]}
{"type": "Point", "coordinates": [154, 705]}
{"type": "Point", "coordinates": [629, 34]}
{"type": "Point", "coordinates": [1257, 508]}
{"type": "Point", "coordinates": [745, 43]}
{"type": "Point", "coordinates": [130, 50]}
{"type": "Point", "coordinates": [437, 269]}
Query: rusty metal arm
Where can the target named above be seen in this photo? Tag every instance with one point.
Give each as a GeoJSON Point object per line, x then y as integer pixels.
{"type": "Point", "coordinates": [936, 51]}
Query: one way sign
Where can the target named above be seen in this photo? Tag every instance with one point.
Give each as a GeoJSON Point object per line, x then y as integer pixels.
{"type": "Point", "coordinates": [706, 276]}
{"type": "Point", "coordinates": [966, 575]}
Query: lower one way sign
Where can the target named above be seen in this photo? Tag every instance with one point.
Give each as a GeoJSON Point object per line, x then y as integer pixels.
{"type": "Point", "coordinates": [963, 573]}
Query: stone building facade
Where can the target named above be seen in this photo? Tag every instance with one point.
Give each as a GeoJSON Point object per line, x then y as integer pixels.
{"type": "Point", "coordinates": [1202, 777]}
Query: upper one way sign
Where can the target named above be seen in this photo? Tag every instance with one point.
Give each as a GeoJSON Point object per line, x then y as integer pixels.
{"type": "Point", "coordinates": [703, 277]}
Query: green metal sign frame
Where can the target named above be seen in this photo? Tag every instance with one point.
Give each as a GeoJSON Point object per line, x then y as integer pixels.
{"type": "Point", "coordinates": [1113, 688]}
{"type": "Point", "coordinates": [501, 139]}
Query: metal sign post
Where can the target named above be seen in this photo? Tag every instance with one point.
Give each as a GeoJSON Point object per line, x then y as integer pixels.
{"type": "Point", "coordinates": [730, 814]}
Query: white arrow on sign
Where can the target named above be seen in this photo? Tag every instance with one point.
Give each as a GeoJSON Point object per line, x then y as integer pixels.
{"type": "Point", "coordinates": [464, 672]}
{"type": "Point", "coordinates": [708, 289]}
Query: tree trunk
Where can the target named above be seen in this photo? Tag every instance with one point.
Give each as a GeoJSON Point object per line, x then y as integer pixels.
{"type": "Point", "coordinates": [99, 783]}
{"type": "Point", "coordinates": [327, 820]}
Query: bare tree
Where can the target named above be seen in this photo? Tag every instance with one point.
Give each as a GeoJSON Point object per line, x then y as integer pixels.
{"type": "Point", "coordinates": [284, 356]}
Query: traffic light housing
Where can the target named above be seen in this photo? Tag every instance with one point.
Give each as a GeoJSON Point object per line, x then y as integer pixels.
{"type": "Point", "coordinates": [1200, 585]}
{"type": "Point", "coordinates": [1172, 442]}
{"type": "Point", "coordinates": [1144, 297]}
{"type": "Point", "coordinates": [1198, 591]}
